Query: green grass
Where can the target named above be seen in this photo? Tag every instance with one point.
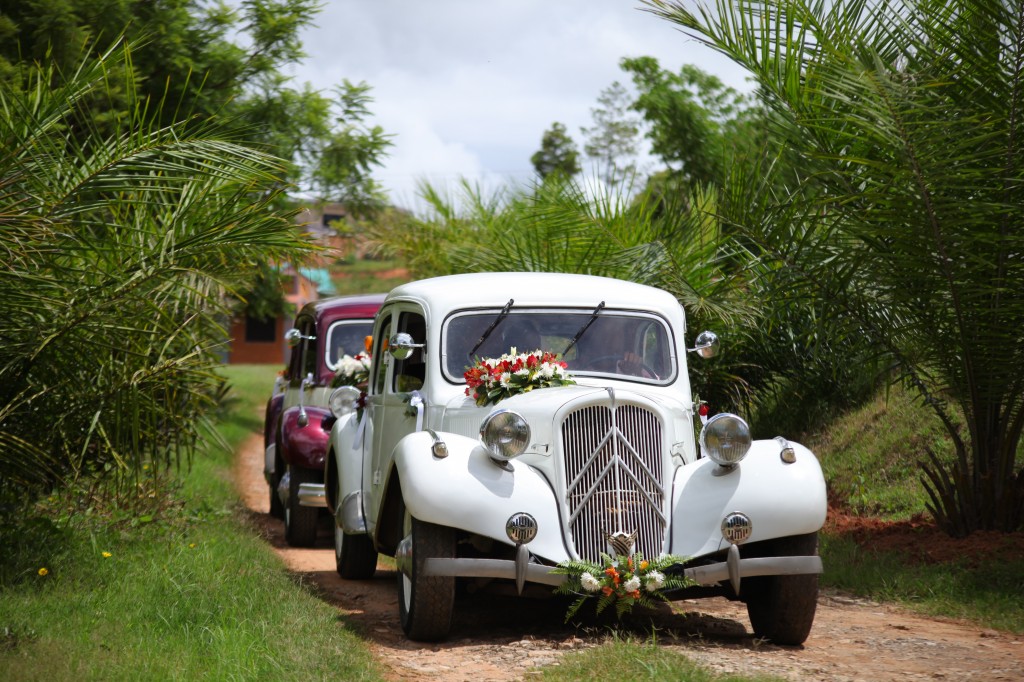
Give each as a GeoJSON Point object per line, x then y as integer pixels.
{"type": "Point", "coordinates": [870, 458]}
{"type": "Point", "coordinates": [988, 590]}
{"type": "Point", "coordinates": [362, 276]}
{"type": "Point", "coordinates": [870, 455]}
{"type": "Point", "coordinates": [620, 659]}
{"type": "Point", "coordinates": [188, 593]}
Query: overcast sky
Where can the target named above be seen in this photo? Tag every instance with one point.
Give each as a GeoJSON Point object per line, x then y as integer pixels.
{"type": "Point", "coordinates": [468, 88]}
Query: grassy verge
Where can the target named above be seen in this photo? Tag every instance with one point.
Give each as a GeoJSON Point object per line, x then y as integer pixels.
{"type": "Point", "coordinates": [870, 458]}
{"type": "Point", "coordinates": [986, 589]}
{"type": "Point", "coordinates": [182, 591]}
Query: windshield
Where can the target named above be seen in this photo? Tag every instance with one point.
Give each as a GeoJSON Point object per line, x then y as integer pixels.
{"type": "Point", "coordinates": [628, 345]}
{"type": "Point", "coordinates": [347, 337]}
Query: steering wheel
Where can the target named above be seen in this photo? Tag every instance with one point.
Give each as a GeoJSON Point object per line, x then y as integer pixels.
{"type": "Point", "coordinates": [617, 364]}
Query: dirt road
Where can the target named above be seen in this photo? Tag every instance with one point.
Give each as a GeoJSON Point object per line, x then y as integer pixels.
{"type": "Point", "coordinates": [503, 638]}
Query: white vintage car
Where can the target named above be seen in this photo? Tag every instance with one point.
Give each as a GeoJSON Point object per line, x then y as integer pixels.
{"type": "Point", "coordinates": [502, 493]}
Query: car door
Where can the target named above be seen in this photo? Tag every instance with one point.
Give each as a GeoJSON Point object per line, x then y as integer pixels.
{"type": "Point", "coordinates": [393, 403]}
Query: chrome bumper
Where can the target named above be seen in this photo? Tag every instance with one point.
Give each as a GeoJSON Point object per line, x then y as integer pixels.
{"type": "Point", "coordinates": [312, 495]}
{"type": "Point", "coordinates": [520, 570]}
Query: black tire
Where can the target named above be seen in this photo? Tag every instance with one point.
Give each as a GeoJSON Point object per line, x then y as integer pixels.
{"type": "Point", "coordinates": [425, 604]}
{"type": "Point", "coordinates": [781, 608]}
{"type": "Point", "coordinates": [300, 523]}
{"type": "Point", "coordinates": [354, 555]}
{"type": "Point", "coordinates": [276, 506]}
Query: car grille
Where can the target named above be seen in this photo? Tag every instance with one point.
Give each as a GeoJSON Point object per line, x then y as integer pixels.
{"type": "Point", "coordinates": [614, 476]}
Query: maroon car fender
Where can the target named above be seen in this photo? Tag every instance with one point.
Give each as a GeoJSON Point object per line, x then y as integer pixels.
{"type": "Point", "coordinates": [305, 446]}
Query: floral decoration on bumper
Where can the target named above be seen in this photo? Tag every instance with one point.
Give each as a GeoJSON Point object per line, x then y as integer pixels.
{"type": "Point", "coordinates": [491, 380]}
{"type": "Point", "coordinates": [352, 371]}
{"type": "Point", "coordinates": [619, 580]}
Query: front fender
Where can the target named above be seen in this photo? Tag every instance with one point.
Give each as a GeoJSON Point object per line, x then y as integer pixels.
{"type": "Point", "coordinates": [346, 466]}
{"type": "Point", "coordinates": [780, 499]}
{"type": "Point", "coordinates": [305, 446]}
{"type": "Point", "coordinates": [469, 492]}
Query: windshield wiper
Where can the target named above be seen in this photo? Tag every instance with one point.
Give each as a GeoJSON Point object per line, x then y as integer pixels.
{"type": "Point", "coordinates": [593, 316]}
{"type": "Point", "coordinates": [487, 332]}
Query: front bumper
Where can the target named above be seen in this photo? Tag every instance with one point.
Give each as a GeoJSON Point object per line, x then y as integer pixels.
{"type": "Point", "coordinates": [733, 569]}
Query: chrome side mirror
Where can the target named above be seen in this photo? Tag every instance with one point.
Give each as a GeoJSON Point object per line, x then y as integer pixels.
{"type": "Point", "coordinates": [401, 346]}
{"type": "Point", "coordinates": [294, 337]}
{"type": "Point", "coordinates": [706, 345]}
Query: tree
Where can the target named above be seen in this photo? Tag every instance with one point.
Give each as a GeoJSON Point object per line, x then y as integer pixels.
{"type": "Point", "coordinates": [120, 252]}
{"type": "Point", "coordinates": [613, 139]}
{"type": "Point", "coordinates": [197, 60]}
{"type": "Point", "coordinates": [558, 155]}
{"type": "Point", "coordinates": [905, 227]}
{"type": "Point", "coordinates": [695, 123]}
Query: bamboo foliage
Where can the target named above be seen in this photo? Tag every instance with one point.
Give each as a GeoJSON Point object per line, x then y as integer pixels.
{"type": "Point", "coordinates": [120, 254]}
{"type": "Point", "coordinates": [906, 226]}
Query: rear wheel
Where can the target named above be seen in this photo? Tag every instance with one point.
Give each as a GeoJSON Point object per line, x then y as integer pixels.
{"type": "Point", "coordinates": [781, 608]}
{"type": "Point", "coordinates": [425, 604]}
{"type": "Point", "coordinates": [354, 555]}
{"type": "Point", "coordinates": [300, 522]}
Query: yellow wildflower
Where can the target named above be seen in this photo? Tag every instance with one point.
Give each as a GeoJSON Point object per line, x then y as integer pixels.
{"type": "Point", "coordinates": [107, 555]}
{"type": "Point", "coordinates": [43, 571]}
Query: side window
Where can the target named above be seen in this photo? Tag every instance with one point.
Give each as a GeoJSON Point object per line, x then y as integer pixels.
{"type": "Point", "coordinates": [409, 373]}
{"type": "Point", "coordinates": [380, 344]}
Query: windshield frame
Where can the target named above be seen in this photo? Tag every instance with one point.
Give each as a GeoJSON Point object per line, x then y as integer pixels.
{"type": "Point", "coordinates": [581, 314]}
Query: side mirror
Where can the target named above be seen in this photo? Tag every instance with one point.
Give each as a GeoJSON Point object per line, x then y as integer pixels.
{"type": "Point", "coordinates": [706, 345]}
{"type": "Point", "coordinates": [401, 346]}
{"type": "Point", "coordinates": [294, 337]}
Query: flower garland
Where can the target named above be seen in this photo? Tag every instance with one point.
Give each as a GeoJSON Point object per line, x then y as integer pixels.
{"type": "Point", "coordinates": [491, 380]}
{"type": "Point", "coordinates": [622, 581]}
{"type": "Point", "coordinates": [352, 371]}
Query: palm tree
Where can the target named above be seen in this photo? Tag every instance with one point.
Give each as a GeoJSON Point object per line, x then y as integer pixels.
{"type": "Point", "coordinates": [120, 255]}
{"type": "Point", "coordinates": [906, 224]}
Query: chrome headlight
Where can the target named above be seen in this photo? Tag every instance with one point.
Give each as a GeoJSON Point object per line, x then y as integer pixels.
{"type": "Point", "coordinates": [344, 400]}
{"type": "Point", "coordinates": [505, 434]}
{"type": "Point", "coordinates": [725, 439]}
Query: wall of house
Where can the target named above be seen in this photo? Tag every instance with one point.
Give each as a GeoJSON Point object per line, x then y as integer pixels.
{"type": "Point", "coordinates": [251, 344]}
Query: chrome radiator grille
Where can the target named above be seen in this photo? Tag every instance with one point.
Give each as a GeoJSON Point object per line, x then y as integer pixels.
{"type": "Point", "coordinates": [614, 476]}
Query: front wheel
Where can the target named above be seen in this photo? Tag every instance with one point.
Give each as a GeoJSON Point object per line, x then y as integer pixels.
{"type": "Point", "coordinates": [781, 607]}
{"type": "Point", "coordinates": [300, 522]}
{"type": "Point", "coordinates": [354, 555]}
{"type": "Point", "coordinates": [425, 604]}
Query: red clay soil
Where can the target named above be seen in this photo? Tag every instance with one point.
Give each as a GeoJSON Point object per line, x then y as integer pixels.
{"type": "Point", "coordinates": [920, 540]}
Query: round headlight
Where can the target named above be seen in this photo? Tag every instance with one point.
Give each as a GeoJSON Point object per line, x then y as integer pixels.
{"type": "Point", "coordinates": [505, 434]}
{"type": "Point", "coordinates": [344, 400]}
{"type": "Point", "coordinates": [725, 439]}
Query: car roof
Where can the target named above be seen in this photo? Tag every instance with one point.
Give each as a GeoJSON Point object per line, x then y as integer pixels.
{"type": "Point", "coordinates": [529, 289]}
{"type": "Point", "coordinates": [326, 310]}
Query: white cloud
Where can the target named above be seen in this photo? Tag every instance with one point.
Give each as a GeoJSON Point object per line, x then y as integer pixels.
{"type": "Point", "coordinates": [468, 88]}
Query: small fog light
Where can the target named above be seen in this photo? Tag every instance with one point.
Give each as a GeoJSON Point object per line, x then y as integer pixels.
{"type": "Point", "coordinates": [736, 528]}
{"type": "Point", "coordinates": [521, 528]}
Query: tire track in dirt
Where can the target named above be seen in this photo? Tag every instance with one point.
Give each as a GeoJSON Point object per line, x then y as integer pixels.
{"type": "Point", "coordinates": [499, 639]}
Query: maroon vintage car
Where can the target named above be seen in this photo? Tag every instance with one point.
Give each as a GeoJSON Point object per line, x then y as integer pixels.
{"type": "Point", "coordinates": [297, 423]}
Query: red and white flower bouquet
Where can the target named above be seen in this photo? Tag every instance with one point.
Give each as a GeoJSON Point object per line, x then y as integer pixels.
{"type": "Point", "coordinates": [491, 380]}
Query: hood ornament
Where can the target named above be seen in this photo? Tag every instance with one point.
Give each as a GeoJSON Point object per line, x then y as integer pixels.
{"type": "Point", "coordinates": [620, 543]}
